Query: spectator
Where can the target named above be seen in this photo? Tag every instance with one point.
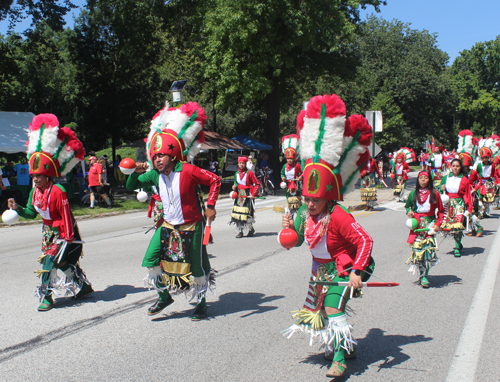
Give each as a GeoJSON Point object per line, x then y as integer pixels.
{"type": "Point", "coordinates": [250, 165]}
{"type": "Point", "coordinates": [214, 166]}
{"type": "Point", "coordinates": [259, 160]}
{"type": "Point", "coordinates": [96, 182]}
{"type": "Point", "coordinates": [264, 166]}
{"type": "Point", "coordinates": [119, 176]}
{"type": "Point", "coordinates": [79, 174]}
{"type": "Point", "coordinates": [8, 170]}
{"type": "Point", "coordinates": [23, 173]}
{"type": "Point", "coordinates": [104, 164]}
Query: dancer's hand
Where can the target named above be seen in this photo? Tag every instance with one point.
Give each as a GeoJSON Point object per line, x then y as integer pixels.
{"type": "Point", "coordinates": [12, 204]}
{"type": "Point", "coordinates": [435, 228]}
{"type": "Point", "coordinates": [141, 167]}
{"type": "Point", "coordinates": [210, 213]}
{"type": "Point", "coordinates": [355, 281]}
{"type": "Point", "coordinates": [410, 214]}
{"type": "Point", "coordinates": [287, 221]}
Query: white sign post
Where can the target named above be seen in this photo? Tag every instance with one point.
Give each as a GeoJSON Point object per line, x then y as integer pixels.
{"type": "Point", "coordinates": [375, 118]}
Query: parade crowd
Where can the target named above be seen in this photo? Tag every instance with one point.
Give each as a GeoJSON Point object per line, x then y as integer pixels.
{"type": "Point", "coordinates": [324, 159]}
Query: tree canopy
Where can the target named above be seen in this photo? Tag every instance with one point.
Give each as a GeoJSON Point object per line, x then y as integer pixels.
{"type": "Point", "coordinates": [250, 65]}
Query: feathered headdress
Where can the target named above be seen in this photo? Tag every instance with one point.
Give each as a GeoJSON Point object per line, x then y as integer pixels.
{"type": "Point", "coordinates": [488, 147]}
{"type": "Point", "coordinates": [465, 142]}
{"type": "Point", "coordinates": [177, 132]}
{"type": "Point", "coordinates": [289, 145]}
{"type": "Point", "coordinates": [407, 154]}
{"type": "Point", "coordinates": [332, 149]}
{"type": "Point", "coordinates": [52, 151]}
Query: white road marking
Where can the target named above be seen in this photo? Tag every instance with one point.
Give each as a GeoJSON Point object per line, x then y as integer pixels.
{"type": "Point", "coordinates": [464, 364]}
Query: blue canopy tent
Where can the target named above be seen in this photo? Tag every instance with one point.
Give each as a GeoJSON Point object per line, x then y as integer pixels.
{"type": "Point", "coordinates": [256, 145]}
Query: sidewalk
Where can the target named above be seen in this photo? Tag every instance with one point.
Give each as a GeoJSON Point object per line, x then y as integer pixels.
{"type": "Point", "coordinates": [352, 201]}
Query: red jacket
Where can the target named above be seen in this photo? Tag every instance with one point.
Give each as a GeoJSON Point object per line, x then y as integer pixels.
{"type": "Point", "coordinates": [58, 213]}
{"type": "Point", "coordinates": [464, 192]}
{"type": "Point", "coordinates": [347, 242]}
{"type": "Point", "coordinates": [406, 169]}
{"type": "Point", "coordinates": [251, 182]}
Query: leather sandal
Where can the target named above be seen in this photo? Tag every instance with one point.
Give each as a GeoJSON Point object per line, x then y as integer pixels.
{"type": "Point", "coordinates": [337, 370]}
{"type": "Point", "coordinates": [47, 304]}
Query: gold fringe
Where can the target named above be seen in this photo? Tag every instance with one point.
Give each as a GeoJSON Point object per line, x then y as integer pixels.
{"type": "Point", "coordinates": [40, 272]}
{"type": "Point", "coordinates": [185, 227]}
{"type": "Point", "coordinates": [240, 217]}
{"type": "Point", "coordinates": [457, 225]}
{"type": "Point", "coordinates": [41, 259]}
{"type": "Point", "coordinates": [489, 198]}
{"type": "Point", "coordinates": [176, 267]}
{"type": "Point", "coordinates": [312, 319]}
{"type": "Point", "coordinates": [294, 200]}
{"type": "Point", "coordinates": [242, 210]}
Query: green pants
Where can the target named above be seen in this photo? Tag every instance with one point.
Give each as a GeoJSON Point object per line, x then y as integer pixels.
{"type": "Point", "coordinates": [196, 251]}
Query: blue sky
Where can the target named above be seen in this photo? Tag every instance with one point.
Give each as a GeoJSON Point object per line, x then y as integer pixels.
{"type": "Point", "coordinates": [459, 24]}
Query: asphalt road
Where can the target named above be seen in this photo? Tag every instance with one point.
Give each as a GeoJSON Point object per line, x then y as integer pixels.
{"type": "Point", "coordinates": [404, 333]}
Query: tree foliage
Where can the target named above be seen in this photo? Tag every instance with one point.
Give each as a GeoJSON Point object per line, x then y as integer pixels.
{"type": "Point", "coordinates": [50, 12]}
{"type": "Point", "coordinates": [476, 74]}
{"type": "Point", "coordinates": [119, 88]}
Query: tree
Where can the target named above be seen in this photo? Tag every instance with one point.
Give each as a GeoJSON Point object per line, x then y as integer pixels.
{"type": "Point", "coordinates": [51, 12]}
{"type": "Point", "coordinates": [37, 74]}
{"type": "Point", "coordinates": [252, 49]}
{"type": "Point", "coordinates": [476, 75]}
{"type": "Point", "coordinates": [402, 73]}
{"type": "Point", "coordinates": [117, 51]}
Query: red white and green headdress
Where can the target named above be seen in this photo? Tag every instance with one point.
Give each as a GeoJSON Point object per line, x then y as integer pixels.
{"type": "Point", "coordinates": [333, 149]}
{"type": "Point", "coordinates": [289, 145]}
{"type": "Point", "coordinates": [465, 142]}
{"type": "Point", "coordinates": [488, 147]}
{"type": "Point", "coordinates": [177, 132]}
{"type": "Point", "coordinates": [52, 151]}
{"type": "Point", "coordinates": [407, 154]}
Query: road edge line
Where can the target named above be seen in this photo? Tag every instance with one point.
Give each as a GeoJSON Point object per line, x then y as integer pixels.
{"type": "Point", "coordinates": [464, 364]}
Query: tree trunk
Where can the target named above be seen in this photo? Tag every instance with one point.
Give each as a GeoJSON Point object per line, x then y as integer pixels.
{"type": "Point", "coordinates": [113, 152]}
{"type": "Point", "coordinates": [214, 98]}
{"type": "Point", "coordinates": [273, 136]}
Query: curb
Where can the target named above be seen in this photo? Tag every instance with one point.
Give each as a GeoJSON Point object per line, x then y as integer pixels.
{"type": "Point", "coordinates": [83, 217]}
{"type": "Point", "coordinates": [355, 207]}
{"type": "Point", "coordinates": [80, 217]}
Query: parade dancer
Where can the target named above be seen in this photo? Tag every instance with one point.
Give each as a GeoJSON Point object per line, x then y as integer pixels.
{"type": "Point", "coordinates": [246, 185]}
{"type": "Point", "coordinates": [486, 184]}
{"type": "Point", "coordinates": [425, 206]}
{"type": "Point", "coordinates": [176, 259]}
{"type": "Point", "coordinates": [467, 146]}
{"type": "Point", "coordinates": [496, 164]}
{"type": "Point", "coordinates": [368, 190]}
{"type": "Point", "coordinates": [457, 187]}
{"type": "Point", "coordinates": [399, 172]}
{"type": "Point", "coordinates": [340, 247]}
{"type": "Point", "coordinates": [291, 173]}
{"type": "Point", "coordinates": [52, 153]}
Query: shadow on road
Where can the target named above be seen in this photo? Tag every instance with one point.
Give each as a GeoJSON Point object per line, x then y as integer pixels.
{"type": "Point", "coordinates": [441, 281]}
{"type": "Point", "coordinates": [374, 348]}
{"type": "Point", "coordinates": [111, 293]}
{"type": "Point", "coordinates": [231, 303]}
{"type": "Point", "coordinates": [265, 234]}
{"type": "Point", "coordinates": [469, 251]}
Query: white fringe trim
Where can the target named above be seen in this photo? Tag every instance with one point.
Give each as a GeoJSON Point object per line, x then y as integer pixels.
{"type": "Point", "coordinates": [338, 331]}
{"type": "Point", "coordinates": [154, 277]}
